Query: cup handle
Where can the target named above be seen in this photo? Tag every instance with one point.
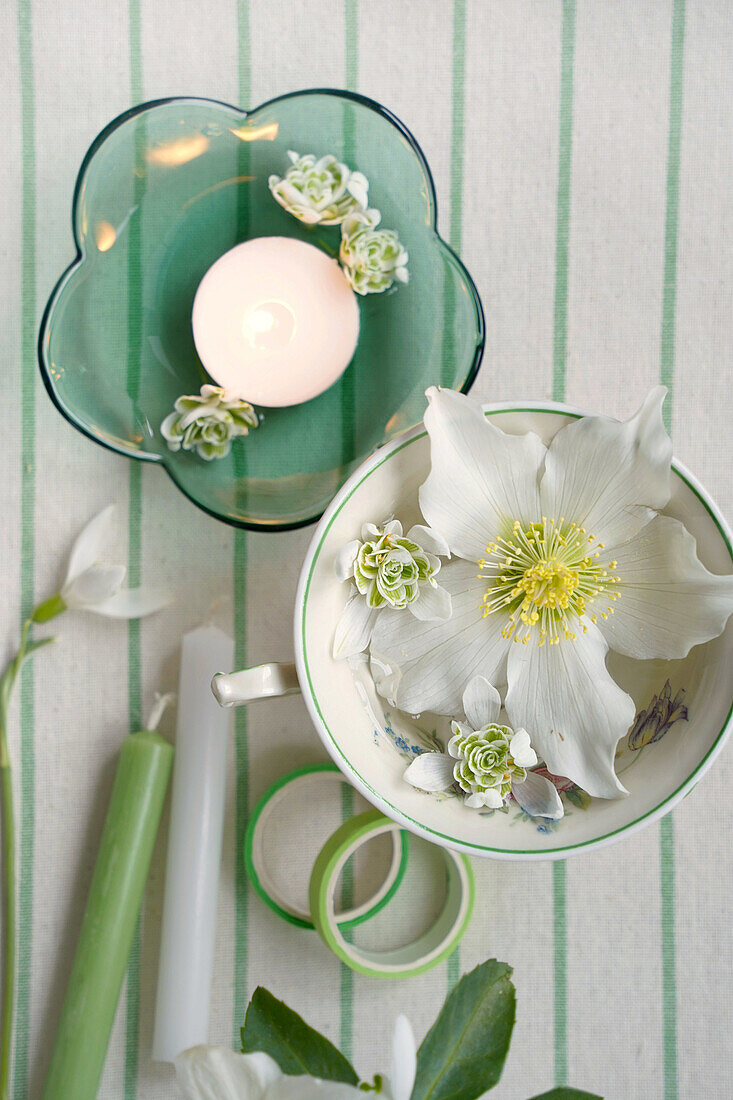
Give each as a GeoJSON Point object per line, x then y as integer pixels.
{"type": "Point", "coordinates": [235, 688]}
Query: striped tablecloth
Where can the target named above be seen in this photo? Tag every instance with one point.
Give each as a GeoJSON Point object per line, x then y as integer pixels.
{"type": "Point", "coordinates": [582, 157]}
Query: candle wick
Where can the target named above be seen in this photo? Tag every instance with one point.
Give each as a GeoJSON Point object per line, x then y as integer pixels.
{"type": "Point", "coordinates": [159, 707]}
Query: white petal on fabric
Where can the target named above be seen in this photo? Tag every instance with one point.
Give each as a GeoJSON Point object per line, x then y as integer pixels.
{"type": "Point", "coordinates": [574, 712]}
{"type": "Point", "coordinates": [668, 601]}
{"type": "Point", "coordinates": [343, 567]}
{"type": "Point", "coordinates": [429, 540]}
{"type": "Point", "coordinates": [437, 659]}
{"type": "Point", "coordinates": [89, 544]}
{"type": "Point", "coordinates": [521, 751]}
{"type": "Point", "coordinates": [217, 1073]}
{"type": "Point", "coordinates": [430, 771]}
{"type": "Point", "coordinates": [354, 628]}
{"type": "Point", "coordinates": [480, 477]}
{"type": "Point", "coordinates": [538, 797]}
{"type": "Point", "coordinates": [605, 475]}
{"type": "Point", "coordinates": [93, 587]}
{"type": "Point", "coordinates": [311, 1088]}
{"type": "Point", "coordinates": [404, 1060]}
{"type": "Point", "coordinates": [481, 703]}
{"type": "Point", "coordinates": [133, 603]}
{"type": "Point", "coordinates": [432, 603]}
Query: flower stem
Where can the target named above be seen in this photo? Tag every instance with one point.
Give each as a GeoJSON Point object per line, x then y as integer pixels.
{"type": "Point", "coordinates": [8, 856]}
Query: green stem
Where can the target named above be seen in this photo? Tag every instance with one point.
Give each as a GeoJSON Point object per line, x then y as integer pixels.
{"type": "Point", "coordinates": [7, 683]}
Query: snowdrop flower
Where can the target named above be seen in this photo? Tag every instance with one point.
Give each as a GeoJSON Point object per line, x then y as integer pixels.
{"type": "Point", "coordinates": [90, 585]}
{"type": "Point", "coordinates": [217, 1073]}
{"type": "Point", "coordinates": [320, 191]}
{"type": "Point", "coordinates": [208, 422]}
{"type": "Point", "coordinates": [372, 258]}
{"type": "Point", "coordinates": [562, 556]}
{"type": "Point", "coordinates": [389, 570]}
{"type": "Point", "coordinates": [488, 761]}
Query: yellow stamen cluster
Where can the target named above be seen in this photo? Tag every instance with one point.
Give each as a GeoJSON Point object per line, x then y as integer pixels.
{"type": "Point", "coordinates": [546, 575]}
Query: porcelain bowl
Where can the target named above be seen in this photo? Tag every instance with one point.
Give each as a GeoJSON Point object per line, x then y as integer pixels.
{"type": "Point", "coordinates": [163, 192]}
{"type": "Point", "coordinates": [372, 742]}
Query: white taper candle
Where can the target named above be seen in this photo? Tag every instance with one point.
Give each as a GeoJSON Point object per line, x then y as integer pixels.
{"type": "Point", "coordinates": [194, 848]}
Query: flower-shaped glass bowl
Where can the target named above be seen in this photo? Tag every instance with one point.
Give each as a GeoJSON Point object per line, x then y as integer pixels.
{"type": "Point", "coordinates": [165, 190]}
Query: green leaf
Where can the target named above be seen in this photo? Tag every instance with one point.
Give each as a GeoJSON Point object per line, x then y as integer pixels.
{"type": "Point", "coordinates": [463, 1054]}
{"type": "Point", "coordinates": [272, 1027]}
{"type": "Point", "coordinates": [564, 1093]}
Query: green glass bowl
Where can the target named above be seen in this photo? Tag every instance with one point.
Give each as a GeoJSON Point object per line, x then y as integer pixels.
{"type": "Point", "coordinates": [165, 190]}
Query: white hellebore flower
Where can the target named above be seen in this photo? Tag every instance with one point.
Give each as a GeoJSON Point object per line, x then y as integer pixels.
{"type": "Point", "coordinates": [389, 570]}
{"type": "Point", "coordinates": [217, 1073]}
{"type": "Point", "coordinates": [320, 191]}
{"type": "Point", "coordinates": [562, 557]}
{"type": "Point", "coordinates": [372, 258]}
{"type": "Point", "coordinates": [90, 585]}
{"type": "Point", "coordinates": [488, 761]}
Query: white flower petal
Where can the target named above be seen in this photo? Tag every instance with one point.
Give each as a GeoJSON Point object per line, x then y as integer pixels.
{"type": "Point", "coordinates": [344, 565]}
{"type": "Point", "coordinates": [429, 540]}
{"type": "Point", "coordinates": [133, 603]}
{"type": "Point", "coordinates": [481, 703]}
{"type": "Point", "coordinates": [538, 797]}
{"type": "Point", "coordinates": [432, 603]}
{"type": "Point", "coordinates": [94, 586]}
{"type": "Point", "coordinates": [307, 1088]}
{"type": "Point", "coordinates": [89, 544]}
{"type": "Point", "coordinates": [669, 601]}
{"type": "Point", "coordinates": [437, 659]}
{"type": "Point", "coordinates": [490, 798]}
{"type": "Point", "coordinates": [605, 475]}
{"type": "Point", "coordinates": [574, 712]}
{"type": "Point", "coordinates": [354, 628]}
{"type": "Point", "coordinates": [404, 1060]}
{"type": "Point", "coordinates": [521, 749]}
{"type": "Point", "coordinates": [480, 477]}
{"type": "Point", "coordinates": [386, 676]}
{"type": "Point", "coordinates": [217, 1073]}
{"type": "Point", "coordinates": [430, 771]}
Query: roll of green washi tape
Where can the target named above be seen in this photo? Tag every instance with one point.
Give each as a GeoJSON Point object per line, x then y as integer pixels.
{"type": "Point", "coordinates": [261, 878]}
{"type": "Point", "coordinates": [401, 962]}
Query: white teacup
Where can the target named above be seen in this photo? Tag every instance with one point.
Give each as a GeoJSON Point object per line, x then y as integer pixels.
{"type": "Point", "coordinates": [372, 742]}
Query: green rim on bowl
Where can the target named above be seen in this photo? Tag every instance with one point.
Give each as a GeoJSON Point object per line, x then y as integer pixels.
{"type": "Point", "coordinates": [374, 796]}
{"type": "Point", "coordinates": [163, 192]}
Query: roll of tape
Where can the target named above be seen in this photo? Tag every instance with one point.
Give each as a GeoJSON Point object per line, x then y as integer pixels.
{"type": "Point", "coordinates": [402, 962]}
{"type": "Point", "coordinates": [256, 862]}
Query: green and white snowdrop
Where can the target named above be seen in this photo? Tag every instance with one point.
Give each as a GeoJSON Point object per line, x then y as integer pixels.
{"type": "Point", "coordinates": [208, 423]}
{"type": "Point", "coordinates": [319, 192]}
{"type": "Point", "coordinates": [372, 258]}
{"type": "Point", "coordinates": [487, 760]}
{"type": "Point", "coordinates": [389, 570]}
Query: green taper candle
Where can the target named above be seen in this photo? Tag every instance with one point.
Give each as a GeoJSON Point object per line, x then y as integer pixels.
{"type": "Point", "coordinates": [110, 917]}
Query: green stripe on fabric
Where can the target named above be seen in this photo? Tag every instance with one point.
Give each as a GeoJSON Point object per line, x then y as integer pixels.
{"type": "Point", "coordinates": [559, 370]}
{"type": "Point", "coordinates": [134, 524]}
{"type": "Point", "coordinates": [562, 239]}
{"type": "Point", "coordinates": [559, 959]}
{"type": "Point", "coordinates": [666, 372]}
{"type": "Point", "coordinates": [669, 956]}
{"type": "Point", "coordinates": [26, 757]}
{"type": "Point", "coordinates": [669, 296]}
{"type": "Point", "coordinates": [455, 240]}
{"type": "Point", "coordinates": [348, 429]}
{"type": "Point", "coordinates": [241, 741]}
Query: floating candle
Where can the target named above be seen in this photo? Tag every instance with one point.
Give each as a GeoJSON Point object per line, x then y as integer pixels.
{"type": "Point", "coordinates": [194, 848]}
{"type": "Point", "coordinates": [110, 917]}
{"type": "Point", "coordinates": [275, 321]}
